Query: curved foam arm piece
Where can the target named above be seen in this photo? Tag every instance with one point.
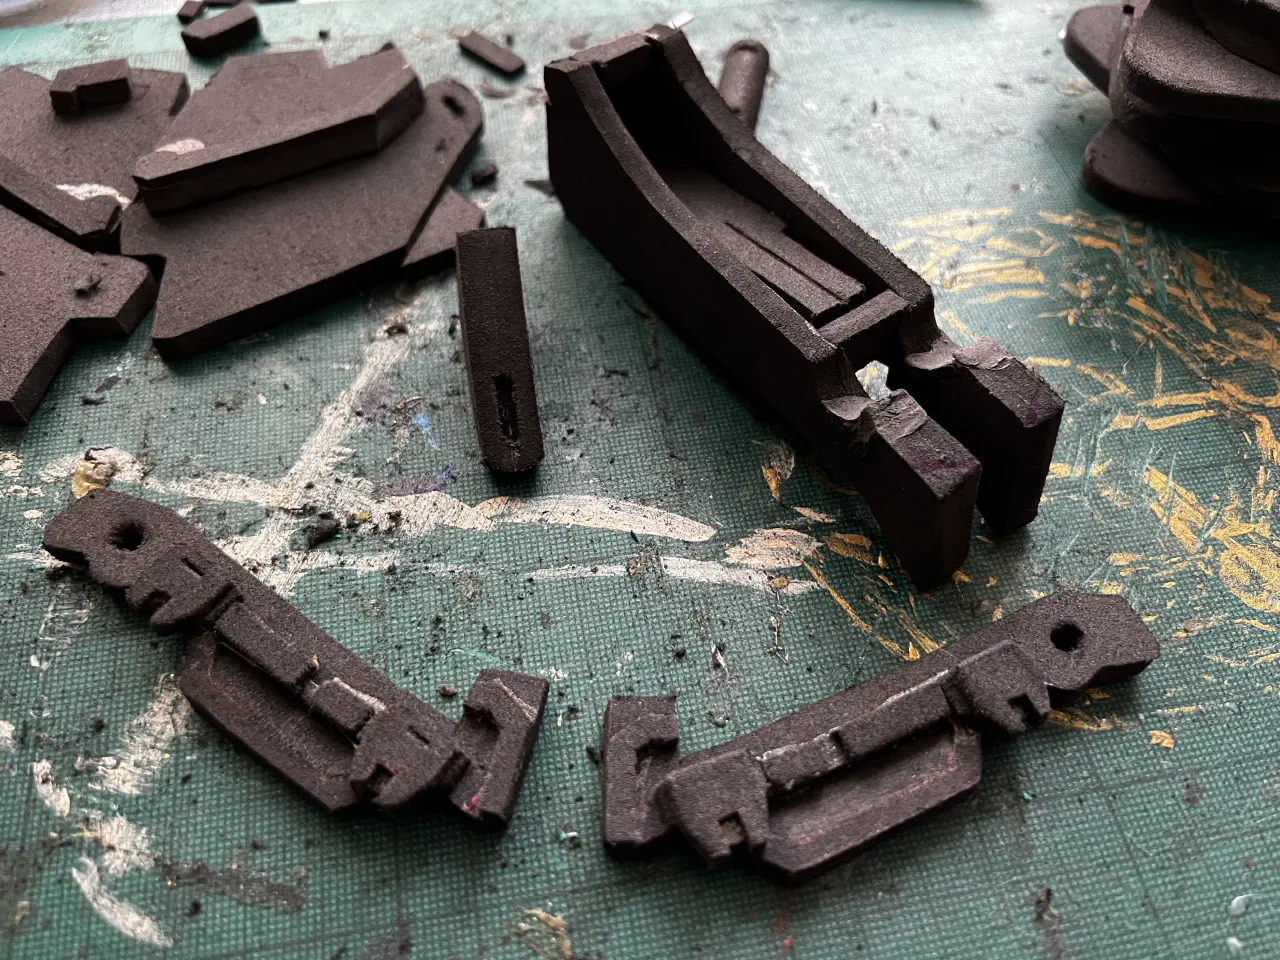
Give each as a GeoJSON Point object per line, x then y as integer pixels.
{"type": "Point", "coordinates": [289, 692]}
{"type": "Point", "coordinates": [804, 793]}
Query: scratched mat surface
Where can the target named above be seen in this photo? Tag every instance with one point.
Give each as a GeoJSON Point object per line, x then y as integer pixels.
{"type": "Point", "coordinates": [673, 514]}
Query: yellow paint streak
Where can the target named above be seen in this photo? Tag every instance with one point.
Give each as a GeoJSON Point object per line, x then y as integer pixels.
{"type": "Point", "coordinates": [1074, 718]}
{"type": "Point", "coordinates": [1042, 247]}
{"type": "Point", "coordinates": [1124, 559]}
{"type": "Point", "coordinates": [774, 481]}
{"type": "Point", "coordinates": [853, 545]}
{"type": "Point", "coordinates": [1176, 419]}
{"type": "Point", "coordinates": [1047, 362]}
{"type": "Point", "coordinates": [917, 634]}
{"type": "Point", "coordinates": [1268, 445]}
{"type": "Point", "coordinates": [981, 273]}
{"type": "Point", "coordinates": [1011, 295]}
{"type": "Point", "coordinates": [1248, 561]}
{"type": "Point", "coordinates": [1257, 625]}
{"type": "Point", "coordinates": [1159, 738]}
{"type": "Point", "coordinates": [1097, 243]}
{"type": "Point", "coordinates": [955, 218]}
{"type": "Point", "coordinates": [1180, 399]}
{"type": "Point", "coordinates": [841, 601]}
{"type": "Point", "coordinates": [961, 577]}
{"type": "Point", "coordinates": [1201, 270]}
{"type": "Point", "coordinates": [1064, 471]}
{"type": "Point", "coordinates": [1115, 386]}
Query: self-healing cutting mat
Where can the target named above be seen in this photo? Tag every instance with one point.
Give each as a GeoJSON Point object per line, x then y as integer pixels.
{"type": "Point", "coordinates": [675, 540]}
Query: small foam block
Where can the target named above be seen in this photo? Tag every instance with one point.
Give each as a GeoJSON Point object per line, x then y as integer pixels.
{"type": "Point", "coordinates": [241, 263]}
{"type": "Point", "coordinates": [491, 54]}
{"type": "Point", "coordinates": [70, 173]}
{"type": "Point", "coordinates": [434, 248]}
{"type": "Point", "coordinates": [52, 295]}
{"type": "Point", "coordinates": [190, 11]}
{"type": "Point", "coordinates": [496, 341]}
{"type": "Point", "coordinates": [746, 66]}
{"type": "Point", "coordinates": [214, 36]}
{"type": "Point", "coordinates": [94, 85]}
{"type": "Point", "coordinates": [275, 115]}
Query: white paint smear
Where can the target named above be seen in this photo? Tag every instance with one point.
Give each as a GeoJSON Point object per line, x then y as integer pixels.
{"type": "Point", "coordinates": [120, 914]}
{"type": "Point", "coordinates": [125, 845]}
{"type": "Point", "coordinates": [817, 516]}
{"type": "Point", "coordinates": [51, 793]}
{"type": "Point", "coordinates": [87, 191]}
{"type": "Point", "coordinates": [599, 513]}
{"type": "Point", "coordinates": [10, 465]}
{"type": "Point", "coordinates": [679, 568]}
{"type": "Point", "coordinates": [7, 744]}
{"type": "Point", "coordinates": [66, 614]}
{"type": "Point", "coordinates": [774, 548]}
{"type": "Point", "coordinates": [147, 740]}
{"type": "Point", "coordinates": [179, 147]}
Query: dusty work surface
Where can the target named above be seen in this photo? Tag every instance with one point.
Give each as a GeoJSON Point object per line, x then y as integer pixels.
{"type": "Point", "coordinates": [671, 514]}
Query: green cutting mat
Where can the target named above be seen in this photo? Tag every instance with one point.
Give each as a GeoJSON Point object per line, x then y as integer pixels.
{"type": "Point", "coordinates": [672, 512]}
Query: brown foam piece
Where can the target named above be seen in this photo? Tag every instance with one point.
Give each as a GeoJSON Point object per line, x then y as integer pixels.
{"type": "Point", "coordinates": [52, 295]}
{"type": "Point", "coordinates": [242, 263]}
{"type": "Point", "coordinates": [1090, 40]}
{"type": "Point", "coordinates": [495, 339]}
{"type": "Point", "coordinates": [1125, 173]}
{"type": "Point", "coordinates": [285, 689]}
{"type": "Point", "coordinates": [484, 174]}
{"type": "Point", "coordinates": [803, 794]}
{"type": "Point", "coordinates": [742, 79]}
{"type": "Point", "coordinates": [1250, 179]}
{"type": "Point", "coordinates": [271, 116]}
{"type": "Point", "coordinates": [434, 248]}
{"type": "Point", "coordinates": [500, 58]}
{"type": "Point", "coordinates": [190, 11]}
{"type": "Point", "coordinates": [656, 170]}
{"type": "Point", "coordinates": [96, 85]}
{"type": "Point", "coordinates": [1170, 61]}
{"type": "Point", "coordinates": [214, 36]}
{"type": "Point", "coordinates": [71, 173]}
{"type": "Point", "coordinates": [1248, 28]}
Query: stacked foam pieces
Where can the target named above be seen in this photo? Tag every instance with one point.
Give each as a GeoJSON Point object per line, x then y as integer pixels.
{"type": "Point", "coordinates": [1194, 87]}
